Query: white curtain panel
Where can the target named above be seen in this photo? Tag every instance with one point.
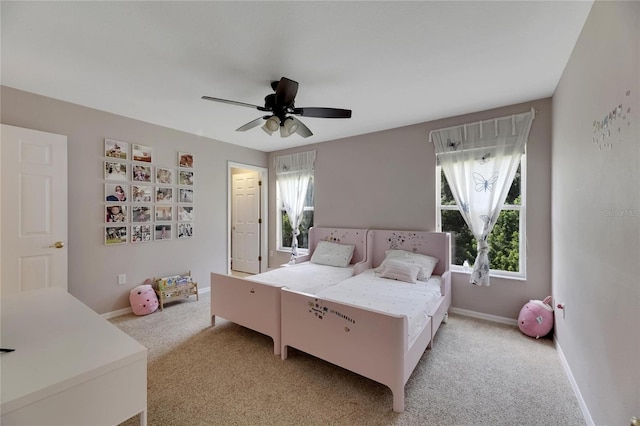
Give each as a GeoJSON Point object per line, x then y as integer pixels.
{"type": "Point", "coordinates": [479, 161]}
{"type": "Point", "coordinates": [293, 173]}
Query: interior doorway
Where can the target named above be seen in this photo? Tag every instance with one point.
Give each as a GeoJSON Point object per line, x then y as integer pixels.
{"type": "Point", "coordinates": [247, 213]}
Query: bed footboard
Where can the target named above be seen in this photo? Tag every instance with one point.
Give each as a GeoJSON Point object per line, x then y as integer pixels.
{"type": "Point", "coordinates": [247, 303]}
{"type": "Point", "coordinates": [370, 343]}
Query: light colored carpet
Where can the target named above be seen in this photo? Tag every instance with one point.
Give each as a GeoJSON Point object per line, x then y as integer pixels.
{"type": "Point", "coordinates": [478, 373]}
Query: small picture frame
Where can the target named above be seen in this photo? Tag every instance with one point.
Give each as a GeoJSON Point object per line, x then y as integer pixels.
{"type": "Point", "coordinates": [141, 194]}
{"type": "Point", "coordinates": [164, 194]}
{"type": "Point", "coordinates": [141, 233]}
{"type": "Point", "coordinates": [115, 149]}
{"type": "Point", "coordinates": [141, 173]}
{"type": "Point", "coordinates": [164, 176]}
{"type": "Point", "coordinates": [114, 170]}
{"type": "Point", "coordinates": [141, 214]}
{"type": "Point", "coordinates": [141, 153]}
{"type": "Point", "coordinates": [115, 192]}
{"type": "Point", "coordinates": [185, 213]}
{"type": "Point", "coordinates": [115, 213]}
{"type": "Point", "coordinates": [185, 177]}
{"type": "Point", "coordinates": [185, 230]}
{"type": "Point", "coordinates": [115, 235]}
{"type": "Point", "coordinates": [162, 232]}
{"type": "Point", "coordinates": [186, 195]}
{"type": "Point", "coordinates": [164, 213]}
{"type": "Point", "coordinates": [185, 160]}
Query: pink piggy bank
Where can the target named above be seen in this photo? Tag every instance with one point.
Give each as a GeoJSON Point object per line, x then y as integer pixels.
{"type": "Point", "coordinates": [143, 300]}
{"type": "Point", "coordinates": [536, 318]}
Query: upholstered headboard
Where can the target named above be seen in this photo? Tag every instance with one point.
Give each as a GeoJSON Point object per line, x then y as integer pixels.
{"type": "Point", "coordinates": [436, 244]}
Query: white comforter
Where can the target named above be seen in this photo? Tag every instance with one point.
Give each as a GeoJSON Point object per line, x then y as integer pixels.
{"type": "Point", "coordinates": [415, 301]}
{"type": "Point", "coordinates": [306, 277]}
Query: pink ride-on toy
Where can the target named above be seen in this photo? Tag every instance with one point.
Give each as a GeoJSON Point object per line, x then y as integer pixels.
{"type": "Point", "coordinates": [536, 318]}
{"type": "Point", "coordinates": [143, 300]}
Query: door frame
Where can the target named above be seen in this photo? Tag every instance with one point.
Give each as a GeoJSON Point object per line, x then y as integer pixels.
{"type": "Point", "coordinates": [264, 210]}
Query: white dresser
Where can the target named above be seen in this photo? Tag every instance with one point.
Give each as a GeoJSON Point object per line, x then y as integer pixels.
{"type": "Point", "coordinates": [70, 366]}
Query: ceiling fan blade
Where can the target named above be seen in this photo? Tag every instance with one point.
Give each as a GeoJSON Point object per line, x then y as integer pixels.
{"type": "Point", "coordinates": [323, 112]}
{"type": "Point", "coordinates": [226, 101]}
{"type": "Point", "coordinates": [286, 92]}
{"type": "Point", "coordinates": [250, 125]}
{"type": "Point", "coordinates": [302, 130]}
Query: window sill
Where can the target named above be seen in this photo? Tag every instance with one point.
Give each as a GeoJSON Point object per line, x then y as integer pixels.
{"type": "Point", "coordinates": [499, 274]}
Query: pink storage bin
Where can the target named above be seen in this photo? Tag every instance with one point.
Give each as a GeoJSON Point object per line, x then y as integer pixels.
{"type": "Point", "coordinates": [143, 300]}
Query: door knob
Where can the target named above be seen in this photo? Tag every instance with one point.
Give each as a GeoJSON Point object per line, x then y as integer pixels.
{"type": "Point", "coordinates": [58, 244]}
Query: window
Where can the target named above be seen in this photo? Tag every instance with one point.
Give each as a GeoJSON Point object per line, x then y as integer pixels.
{"type": "Point", "coordinates": [284, 226]}
{"type": "Point", "coordinates": [506, 241]}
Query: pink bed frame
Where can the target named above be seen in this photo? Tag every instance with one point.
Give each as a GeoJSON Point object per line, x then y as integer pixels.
{"type": "Point", "coordinates": [257, 306]}
{"type": "Point", "coordinates": [371, 343]}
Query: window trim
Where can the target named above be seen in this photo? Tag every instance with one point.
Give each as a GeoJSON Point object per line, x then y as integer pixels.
{"type": "Point", "coordinates": [522, 208]}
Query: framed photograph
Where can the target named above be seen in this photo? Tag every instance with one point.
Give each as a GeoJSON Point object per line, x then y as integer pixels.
{"type": "Point", "coordinates": [185, 177]}
{"type": "Point", "coordinates": [141, 233]}
{"type": "Point", "coordinates": [141, 173]}
{"type": "Point", "coordinates": [164, 213]}
{"type": "Point", "coordinates": [164, 176]}
{"type": "Point", "coordinates": [115, 213]}
{"type": "Point", "coordinates": [186, 195]}
{"type": "Point", "coordinates": [115, 171]}
{"type": "Point", "coordinates": [185, 160]}
{"type": "Point", "coordinates": [185, 213]}
{"type": "Point", "coordinates": [185, 230]}
{"type": "Point", "coordinates": [115, 235]}
{"type": "Point", "coordinates": [164, 194]}
{"type": "Point", "coordinates": [163, 232]}
{"type": "Point", "coordinates": [141, 214]}
{"type": "Point", "coordinates": [115, 149]}
{"type": "Point", "coordinates": [115, 192]}
{"type": "Point", "coordinates": [141, 194]}
{"type": "Point", "coordinates": [141, 153]}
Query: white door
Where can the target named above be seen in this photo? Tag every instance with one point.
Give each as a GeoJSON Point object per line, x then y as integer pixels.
{"type": "Point", "coordinates": [245, 232]}
{"type": "Point", "coordinates": [34, 210]}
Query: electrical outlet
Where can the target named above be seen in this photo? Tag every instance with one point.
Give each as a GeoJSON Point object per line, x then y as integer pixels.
{"type": "Point", "coordinates": [122, 279]}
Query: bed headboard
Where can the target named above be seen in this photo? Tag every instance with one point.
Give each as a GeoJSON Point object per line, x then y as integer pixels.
{"type": "Point", "coordinates": [355, 236]}
{"type": "Point", "coordinates": [436, 244]}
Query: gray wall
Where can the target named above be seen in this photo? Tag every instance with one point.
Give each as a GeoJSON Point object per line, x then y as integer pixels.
{"type": "Point", "coordinates": [386, 180]}
{"type": "Point", "coordinates": [596, 213]}
{"type": "Point", "coordinates": [93, 267]}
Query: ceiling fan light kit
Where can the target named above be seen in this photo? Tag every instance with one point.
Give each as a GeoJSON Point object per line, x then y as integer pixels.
{"type": "Point", "coordinates": [281, 103]}
{"type": "Point", "coordinates": [271, 125]}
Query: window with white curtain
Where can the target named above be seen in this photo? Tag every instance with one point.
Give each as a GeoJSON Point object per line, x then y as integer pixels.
{"type": "Point", "coordinates": [479, 164]}
{"type": "Point", "coordinates": [294, 198]}
{"type": "Point", "coordinates": [507, 240]}
{"type": "Point", "coordinates": [285, 232]}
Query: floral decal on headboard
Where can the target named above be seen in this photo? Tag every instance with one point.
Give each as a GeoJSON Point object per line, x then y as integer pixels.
{"type": "Point", "coordinates": [336, 237]}
{"type": "Point", "coordinates": [405, 241]}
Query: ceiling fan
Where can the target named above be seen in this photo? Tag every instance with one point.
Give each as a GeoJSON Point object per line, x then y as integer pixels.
{"type": "Point", "coordinates": [280, 104]}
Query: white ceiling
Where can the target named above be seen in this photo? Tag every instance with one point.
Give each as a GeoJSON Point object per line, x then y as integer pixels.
{"type": "Point", "coordinates": [392, 63]}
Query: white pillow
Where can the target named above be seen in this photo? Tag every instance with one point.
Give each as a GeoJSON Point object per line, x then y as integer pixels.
{"type": "Point", "coordinates": [401, 271]}
{"type": "Point", "coordinates": [426, 263]}
{"type": "Point", "coordinates": [333, 254]}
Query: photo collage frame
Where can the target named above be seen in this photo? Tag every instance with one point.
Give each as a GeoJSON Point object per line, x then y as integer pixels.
{"type": "Point", "coordinates": [143, 202]}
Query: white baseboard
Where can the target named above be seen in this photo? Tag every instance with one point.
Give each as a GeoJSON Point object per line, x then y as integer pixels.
{"type": "Point", "coordinates": [126, 311]}
{"type": "Point", "coordinates": [117, 313]}
{"type": "Point", "coordinates": [480, 315]}
{"type": "Point", "coordinates": [576, 390]}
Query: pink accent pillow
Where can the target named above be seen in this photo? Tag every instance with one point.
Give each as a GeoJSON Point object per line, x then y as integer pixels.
{"type": "Point", "coordinates": [143, 300]}
{"type": "Point", "coordinates": [401, 271]}
{"type": "Point", "coordinates": [426, 263]}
